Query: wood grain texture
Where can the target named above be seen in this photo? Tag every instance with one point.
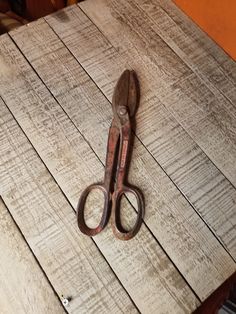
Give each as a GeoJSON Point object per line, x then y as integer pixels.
{"type": "Point", "coordinates": [194, 47]}
{"type": "Point", "coordinates": [24, 288]}
{"type": "Point", "coordinates": [141, 265]}
{"type": "Point", "coordinates": [196, 176]}
{"type": "Point", "coordinates": [199, 107]}
{"type": "Point", "coordinates": [168, 215]}
{"type": "Point", "coordinates": [71, 261]}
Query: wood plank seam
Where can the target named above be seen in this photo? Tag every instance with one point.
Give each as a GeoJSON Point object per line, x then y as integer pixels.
{"type": "Point", "coordinates": [215, 89]}
{"type": "Point", "coordinates": [203, 35]}
{"type": "Point", "coordinates": [16, 247]}
{"type": "Point", "coordinates": [182, 275]}
{"type": "Point", "coordinates": [87, 141]}
{"type": "Point", "coordinates": [65, 196]}
{"type": "Point", "coordinates": [35, 152]}
{"type": "Point", "coordinates": [189, 136]}
{"type": "Point", "coordinates": [198, 213]}
{"type": "Point", "coordinates": [150, 153]}
{"type": "Point", "coordinates": [32, 252]}
{"type": "Point", "coordinates": [186, 59]}
{"type": "Point", "coordinates": [101, 163]}
{"type": "Point", "coordinates": [190, 29]}
{"type": "Point", "coordinates": [220, 99]}
{"type": "Point", "coordinates": [6, 107]}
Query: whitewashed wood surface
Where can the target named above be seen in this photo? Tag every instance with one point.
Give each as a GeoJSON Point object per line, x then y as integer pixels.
{"type": "Point", "coordinates": [57, 76]}
{"type": "Point", "coordinates": [173, 148]}
{"type": "Point", "coordinates": [149, 272]}
{"type": "Point", "coordinates": [19, 271]}
{"type": "Point", "coordinates": [71, 261]}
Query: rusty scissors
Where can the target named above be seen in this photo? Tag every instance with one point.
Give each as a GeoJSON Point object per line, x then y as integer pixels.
{"type": "Point", "coordinates": [124, 104]}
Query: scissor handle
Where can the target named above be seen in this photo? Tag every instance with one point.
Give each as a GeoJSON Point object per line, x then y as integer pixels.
{"type": "Point", "coordinates": [117, 227]}
{"type": "Point", "coordinates": [81, 206]}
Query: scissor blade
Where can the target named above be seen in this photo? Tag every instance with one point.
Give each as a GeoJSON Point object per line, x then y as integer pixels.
{"type": "Point", "coordinates": [126, 92]}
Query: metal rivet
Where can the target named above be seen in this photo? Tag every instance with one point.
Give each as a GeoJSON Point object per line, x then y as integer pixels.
{"type": "Point", "coordinates": [122, 110]}
{"type": "Point", "coordinates": [65, 302]}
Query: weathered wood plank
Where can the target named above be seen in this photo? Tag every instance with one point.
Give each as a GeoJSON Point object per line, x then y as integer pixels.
{"type": "Point", "coordinates": [71, 261]}
{"type": "Point", "coordinates": [141, 265]}
{"type": "Point", "coordinates": [203, 184]}
{"type": "Point", "coordinates": [169, 216]}
{"type": "Point", "coordinates": [194, 47]}
{"type": "Point", "coordinates": [207, 116]}
{"type": "Point", "coordinates": [24, 288]}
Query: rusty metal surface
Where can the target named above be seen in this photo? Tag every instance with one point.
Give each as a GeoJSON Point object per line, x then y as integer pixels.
{"type": "Point", "coordinates": [124, 104]}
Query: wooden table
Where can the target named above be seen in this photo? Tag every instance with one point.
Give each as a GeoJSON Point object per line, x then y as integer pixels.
{"type": "Point", "coordinates": [56, 83]}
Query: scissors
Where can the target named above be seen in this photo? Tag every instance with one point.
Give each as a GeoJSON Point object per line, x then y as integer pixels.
{"type": "Point", "coordinates": [124, 104]}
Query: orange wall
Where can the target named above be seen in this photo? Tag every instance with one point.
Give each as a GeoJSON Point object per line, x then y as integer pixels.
{"type": "Point", "coordinates": [215, 17]}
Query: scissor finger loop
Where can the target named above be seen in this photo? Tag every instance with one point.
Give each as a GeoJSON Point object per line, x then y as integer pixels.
{"type": "Point", "coordinates": [81, 207]}
{"type": "Point", "coordinates": [119, 231]}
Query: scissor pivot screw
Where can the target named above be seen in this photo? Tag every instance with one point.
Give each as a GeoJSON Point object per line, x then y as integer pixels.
{"type": "Point", "coordinates": [122, 110]}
